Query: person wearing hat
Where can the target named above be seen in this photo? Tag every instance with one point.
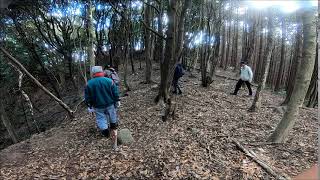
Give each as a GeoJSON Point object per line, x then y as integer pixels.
{"type": "Point", "coordinates": [102, 97]}
{"type": "Point", "coordinates": [246, 77]}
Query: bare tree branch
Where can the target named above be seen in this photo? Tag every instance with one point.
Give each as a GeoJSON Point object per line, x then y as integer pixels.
{"type": "Point", "coordinates": [158, 11]}
{"type": "Point", "coordinates": [117, 11]}
{"type": "Point", "coordinates": [152, 30]}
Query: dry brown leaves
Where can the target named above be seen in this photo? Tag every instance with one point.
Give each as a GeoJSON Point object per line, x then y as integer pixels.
{"type": "Point", "coordinates": [195, 145]}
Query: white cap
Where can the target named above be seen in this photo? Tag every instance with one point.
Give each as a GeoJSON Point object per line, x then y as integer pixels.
{"type": "Point", "coordinates": [96, 69]}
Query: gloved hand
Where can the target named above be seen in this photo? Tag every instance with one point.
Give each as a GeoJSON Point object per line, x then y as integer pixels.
{"type": "Point", "coordinates": [118, 104]}
{"type": "Point", "coordinates": [90, 110]}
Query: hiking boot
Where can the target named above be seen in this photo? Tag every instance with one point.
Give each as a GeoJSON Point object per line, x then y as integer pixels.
{"type": "Point", "coordinates": [105, 133]}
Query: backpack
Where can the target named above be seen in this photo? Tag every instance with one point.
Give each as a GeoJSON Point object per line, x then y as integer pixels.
{"type": "Point", "coordinates": [114, 76]}
{"type": "Point", "coordinates": [178, 71]}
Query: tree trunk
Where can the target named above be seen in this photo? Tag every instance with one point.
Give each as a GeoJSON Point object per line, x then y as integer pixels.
{"type": "Point", "coordinates": [6, 122]}
{"type": "Point", "coordinates": [167, 66]}
{"type": "Point", "coordinates": [180, 33]}
{"type": "Point", "coordinates": [159, 54]}
{"type": "Point", "coordinates": [282, 59]}
{"type": "Point", "coordinates": [235, 43]}
{"type": "Point", "coordinates": [147, 44]}
{"type": "Point", "coordinates": [203, 63]}
{"type": "Point", "coordinates": [302, 80]}
{"type": "Point", "coordinates": [90, 31]}
{"type": "Point", "coordinates": [311, 99]}
{"type": "Point", "coordinates": [67, 55]}
{"type": "Point", "coordinates": [223, 45]}
{"type": "Point", "coordinates": [26, 100]}
{"type": "Point", "coordinates": [267, 56]}
{"type": "Point", "coordinates": [250, 46]}
{"type": "Point", "coordinates": [126, 15]}
{"type": "Point", "coordinates": [215, 57]}
{"type": "Point", "coordinates": [260, 60]}
{"type": "Point", "coordinates": [20, 66]}
{"type": "Point", "coordinates": [131, 52]}
{"type": "Point", "coordinates": [296, 60]}
{"type": "Point", "coordinates": [228, 44]}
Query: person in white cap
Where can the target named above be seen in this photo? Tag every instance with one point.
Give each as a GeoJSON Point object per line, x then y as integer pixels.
{"type": "Point", "coordinates": [102, 97]}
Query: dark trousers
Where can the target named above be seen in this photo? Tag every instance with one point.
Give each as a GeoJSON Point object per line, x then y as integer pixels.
{"type": "Point", "coordinates": [176, 87]}
{"type": "Point", "coordinates": [239, 84]}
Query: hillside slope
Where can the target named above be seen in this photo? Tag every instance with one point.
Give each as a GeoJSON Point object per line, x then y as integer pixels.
{"type": "Point", "coordinates": [196, 144]}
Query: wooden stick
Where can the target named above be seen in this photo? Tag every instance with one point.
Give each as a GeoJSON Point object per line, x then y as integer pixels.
{"type": "Point", "coordinates": [262, 143]}
{"type": "Point", "coordinates": [264, 165]}
{"type": "Point", "coordinates": [16, 63]}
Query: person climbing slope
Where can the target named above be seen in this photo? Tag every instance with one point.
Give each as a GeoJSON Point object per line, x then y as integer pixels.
{"type": "Point", "coordinates": [246, 76]}
{"type": "Point", "coordinates": [102, 97]}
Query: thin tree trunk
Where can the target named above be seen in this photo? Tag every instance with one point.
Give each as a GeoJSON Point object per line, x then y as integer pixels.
{"type": "Point", "coordinates": [312, 93]}
{"type": "Point", "coordinates": [236, 39]}
{"type": "Point", "coordinates": [302, 81]}
{"type": "Point", "coordinates": [167, 66]}
{"type": "Point", "coordinates": [222, 57]}
{"type": "Point", "coordinates": [215, 57]}
{"type": "Point", "coordinates": [6, 122]}
{"type": "Point", "coordinates": [228, 44]}
{"type": "Point", "coordinates": [282, 59]}
{"type": "Point", "coordinates": [203, 66]}
{"type": "Point", "coordinates": [180, 34]}
{"type": "Point", "coordinates": [131, 52]}
{"type": "Point", "coordinates": [147, 44]}
{"type": "Point", "coordinates": [90, 32]}
{"type": "Point", "coordinates": [159, 41]}
{"type": "Point", "coordinates": [260, 60]}
{"type": "Point", "coordinates": [267, 56]}
{"type": "Point", "coordinates": [127, 48]}
{"type": "Point", "coordinates": [27, 101]}
{"type": "Point", "coordinates": [296, 60]}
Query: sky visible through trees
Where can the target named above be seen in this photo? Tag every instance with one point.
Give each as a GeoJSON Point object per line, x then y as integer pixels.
{"type": "Point", "coordinates": [76, 9]}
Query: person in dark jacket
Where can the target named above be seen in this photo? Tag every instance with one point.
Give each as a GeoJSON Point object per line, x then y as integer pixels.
{"type": "Point", "coordinates": [178, 73]}
{"type": "Point", "coordinates": [102, 97]}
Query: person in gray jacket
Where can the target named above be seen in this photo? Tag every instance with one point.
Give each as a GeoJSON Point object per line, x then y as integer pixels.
{"type": "Point", "coordinates": [246, 76]}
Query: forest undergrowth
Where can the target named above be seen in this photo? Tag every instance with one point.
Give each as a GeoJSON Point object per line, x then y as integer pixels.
{"type": "Point", "coordinates": [196, 144]}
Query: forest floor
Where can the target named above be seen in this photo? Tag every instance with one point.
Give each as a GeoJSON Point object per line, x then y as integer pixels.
{"type": "Point", "coordinates": [197, 144]}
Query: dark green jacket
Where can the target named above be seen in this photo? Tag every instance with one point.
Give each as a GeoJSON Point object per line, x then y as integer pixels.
{"type": "Point", "coordinates": [101, 92]}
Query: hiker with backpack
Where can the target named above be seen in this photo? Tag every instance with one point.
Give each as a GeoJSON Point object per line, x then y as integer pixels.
{"type": "Point", "coordinates": [111, 73]}
{"type": "Point", "coordinates": [102, 98]}
{"type": "Point", "coordinates": [178, 73]}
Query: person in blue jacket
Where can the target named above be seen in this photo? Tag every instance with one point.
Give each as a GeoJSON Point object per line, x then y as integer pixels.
{"type": "Point", "coordinates": [102, 97]}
